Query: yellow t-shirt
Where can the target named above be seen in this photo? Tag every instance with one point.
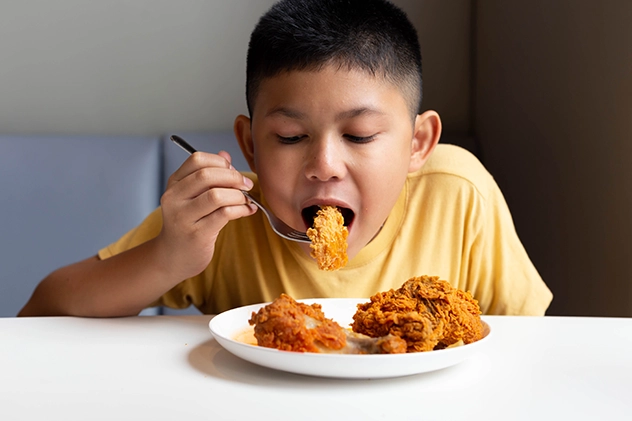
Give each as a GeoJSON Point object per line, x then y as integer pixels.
{"type": "Point", "coordinates": [450, 220]}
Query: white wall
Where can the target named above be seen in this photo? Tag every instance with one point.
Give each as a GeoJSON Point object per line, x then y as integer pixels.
{"type": "Point", "coordinates": [156, 66]}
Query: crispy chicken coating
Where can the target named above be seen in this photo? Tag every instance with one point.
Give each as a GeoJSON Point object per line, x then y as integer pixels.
{"type": "Point", "coordinates": [426, 312]}
{"type": "Point", "coordinates": [329, 239]}
{"type": "Point", "coordinates": [288, 325]}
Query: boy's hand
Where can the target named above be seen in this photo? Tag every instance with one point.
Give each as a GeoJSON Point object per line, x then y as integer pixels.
{"type": "Point", "coordinates": [201, 197]}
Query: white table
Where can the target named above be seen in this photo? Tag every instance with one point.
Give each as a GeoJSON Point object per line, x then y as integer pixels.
{"type": "Point", "coordinates": [170, 368]}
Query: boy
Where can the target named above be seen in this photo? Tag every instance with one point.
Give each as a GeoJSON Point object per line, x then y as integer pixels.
{"type": "Point", "coordinates": [334, 97]}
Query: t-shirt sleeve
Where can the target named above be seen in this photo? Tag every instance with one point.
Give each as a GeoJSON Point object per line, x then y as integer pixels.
{"type": "Point", "coordinates": [185, 293]}
{"type": "Point", "coordinates": [148, 229]}
{"type": "Point", "coordinates": [509, 281]}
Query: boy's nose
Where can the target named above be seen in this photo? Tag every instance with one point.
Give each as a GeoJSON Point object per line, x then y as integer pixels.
{"type": "Point", "coordinates": [325, 160]}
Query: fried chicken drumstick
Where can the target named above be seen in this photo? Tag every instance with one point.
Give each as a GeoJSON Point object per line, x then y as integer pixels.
{"type": "Point", "coordinates": [292, 326]}
{"type": "Point", "coordinates": [426, 312]}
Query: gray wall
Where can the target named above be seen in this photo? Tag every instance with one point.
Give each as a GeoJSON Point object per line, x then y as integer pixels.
{"type": "Point", "coordinates": [147, 67]}
{"type": "Point", "coordinates": [123, 67]}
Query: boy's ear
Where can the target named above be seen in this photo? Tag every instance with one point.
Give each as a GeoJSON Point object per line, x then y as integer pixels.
{"type": "Point", "coordinates": [244, 138]}
{"type": "Point", "coordinates": [425, 138]}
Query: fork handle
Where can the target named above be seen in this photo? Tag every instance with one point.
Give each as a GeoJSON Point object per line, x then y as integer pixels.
{"type": "Point", "coordinates": [255, 202]}
{"type": "Point", "coordinates": [183, 144]}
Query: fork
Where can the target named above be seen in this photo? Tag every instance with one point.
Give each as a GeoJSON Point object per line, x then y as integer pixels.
{"type": "Point", "coordinates": [278, 226]}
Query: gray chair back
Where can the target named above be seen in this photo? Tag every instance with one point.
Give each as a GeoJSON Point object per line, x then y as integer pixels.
{"type": "Point", "coordinates": [64, 198]}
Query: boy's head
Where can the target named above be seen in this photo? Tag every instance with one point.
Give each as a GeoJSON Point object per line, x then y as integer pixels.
{"type": "Point", "coordinates": [369, 35]}
{"type": "Point", "coordinates": [334, 90]}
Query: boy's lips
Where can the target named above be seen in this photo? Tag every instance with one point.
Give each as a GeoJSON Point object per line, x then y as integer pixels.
{"type": "Point", "coordinates": [309, 211]}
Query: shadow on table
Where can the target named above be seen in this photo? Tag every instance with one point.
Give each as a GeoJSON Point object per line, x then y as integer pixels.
{"type": "Point", "coordinates": [213, 360]}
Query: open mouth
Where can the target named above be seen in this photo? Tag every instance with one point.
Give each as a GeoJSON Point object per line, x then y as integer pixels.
{"type": "Point", "coordinates": [309, 213]}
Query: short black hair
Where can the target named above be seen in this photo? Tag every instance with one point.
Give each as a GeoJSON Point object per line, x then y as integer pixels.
{"type": "Point", "coordinates": [371, 35]}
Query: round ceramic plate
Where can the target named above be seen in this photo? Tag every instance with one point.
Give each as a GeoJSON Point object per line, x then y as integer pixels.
{"type": "Point", "coordinates": [228, 329]}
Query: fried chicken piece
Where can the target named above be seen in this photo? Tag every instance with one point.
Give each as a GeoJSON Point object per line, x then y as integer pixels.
{"type": "Point", "coordinates": [329, 239]}
{"type": "Point", "coordinates": [426, 312]}
{"type": "Point", "coordinates": [292, 326]}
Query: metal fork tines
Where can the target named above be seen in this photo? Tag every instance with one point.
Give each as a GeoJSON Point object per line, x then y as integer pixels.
{"type": "Point", "coordinates": [278, 226]}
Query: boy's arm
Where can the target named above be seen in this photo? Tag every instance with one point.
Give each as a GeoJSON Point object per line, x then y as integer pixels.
{"type": "Point", "coordinates": [201, 197]}
{"type": "Point", "coordinates": [118, 286]}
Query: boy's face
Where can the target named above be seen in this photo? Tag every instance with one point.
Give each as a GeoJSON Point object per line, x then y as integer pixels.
{"type": "Point", "coordinates": [332, 137]}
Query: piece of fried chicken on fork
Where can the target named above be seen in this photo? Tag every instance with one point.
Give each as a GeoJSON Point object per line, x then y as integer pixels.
{"type": "Point", "coordinates": [427, 312]}
{"type": "Point", "coordinates": [288, 325]}
{"type": "Point", "coordinates": [329, 239]}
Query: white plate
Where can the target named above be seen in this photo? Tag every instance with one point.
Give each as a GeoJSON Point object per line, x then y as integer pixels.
{"type": "Point", "coordinates": [226, 326]}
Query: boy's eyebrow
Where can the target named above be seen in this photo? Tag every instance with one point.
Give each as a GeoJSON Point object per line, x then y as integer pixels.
{"type": "Point", "coordinates": [297, 115]}
{"type": "Point", "coordinates": [286, 112]}
{"type": "Point", "coordinates": [356, 112]}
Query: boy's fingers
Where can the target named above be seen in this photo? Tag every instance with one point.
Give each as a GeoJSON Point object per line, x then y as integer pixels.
{"type": "Point", "coordinates": [219, 218]}
{"type": "Point", "coordinates": [206, 179]}
{"type": "Point", "coordinates": [211, 211]}
{"type": "Point", "coordinates": [215, 200]}
{"type": "Point", "coordinates": [227, 157]}
{"type": "Point", "coordinates": [204, 194]}
{"type": "Point", "coordinates": [197, 161]}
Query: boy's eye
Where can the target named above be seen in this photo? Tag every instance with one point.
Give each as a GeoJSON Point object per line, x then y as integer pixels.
{"type": "Point", "coordinates": [352, 138]}
{"type": "Point", "coordinates": [360, 139]}
{"type": "Point", "coordinates": [290, 139]}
